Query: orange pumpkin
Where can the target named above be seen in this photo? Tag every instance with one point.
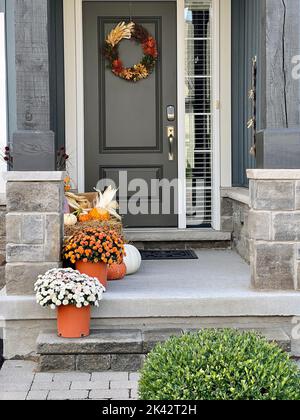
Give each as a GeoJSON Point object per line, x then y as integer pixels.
{"type": "Point", "coordinates": [116, 272]}
{"type": "Point", "coordinates": [84, 218]}
{"type": "Point", "coordinates": [99, 214]}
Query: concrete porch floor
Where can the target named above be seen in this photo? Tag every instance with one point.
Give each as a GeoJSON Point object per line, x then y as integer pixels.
{"type": "Point", "coordinates": [215, 285]}
{"type": "Point", "coordinates": [214, 272]}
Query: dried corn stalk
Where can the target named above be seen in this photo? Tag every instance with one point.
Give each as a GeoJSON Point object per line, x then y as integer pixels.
{"type": "Point", "coordinates": [121, 31]}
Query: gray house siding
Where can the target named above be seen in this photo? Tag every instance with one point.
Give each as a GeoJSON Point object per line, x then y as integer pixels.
{"type": "Point", "coordinates": [280, 43]}
{"type": "Point", "coordinates": [40, 105]}
{"type": "Point", "coordinates": [7, 6]}
{"type": "Point", "coordinates": [246, 22]}
{"type": "Point", "coordinates": [269, 29]}
{"type": "Point", "coordinates": [32, 65]}
{"type": "Point", "coordinates": [56, 71]}
{"type": "Point", "coordinates": [35, 69]}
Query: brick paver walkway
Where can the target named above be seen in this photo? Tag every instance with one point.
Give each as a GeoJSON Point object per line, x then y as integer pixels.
{"type": "Point", "coordinates": [19, 381]}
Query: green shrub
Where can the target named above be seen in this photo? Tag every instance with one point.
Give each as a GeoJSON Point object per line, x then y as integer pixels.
{"type": "Point", "coordinates": [219, 365]}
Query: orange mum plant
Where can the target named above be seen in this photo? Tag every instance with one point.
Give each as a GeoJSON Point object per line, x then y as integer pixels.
{"type": "Point", "coordinates": [95, 245]}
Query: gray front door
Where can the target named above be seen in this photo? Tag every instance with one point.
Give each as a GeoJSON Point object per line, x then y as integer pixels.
{"type": "Point", "coordinates": [126, 124]}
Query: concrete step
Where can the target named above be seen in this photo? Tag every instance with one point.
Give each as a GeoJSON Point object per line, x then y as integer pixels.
{"type": "Point", "coordinates": [116, 350]}
{"type": "Point", "coordinates": [179, 238]}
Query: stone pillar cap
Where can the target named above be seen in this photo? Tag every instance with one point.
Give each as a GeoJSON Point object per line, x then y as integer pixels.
{"type": "Point", "coordinates": [35, 176]}
{"type": "Point", "coordinates": [274, 174]}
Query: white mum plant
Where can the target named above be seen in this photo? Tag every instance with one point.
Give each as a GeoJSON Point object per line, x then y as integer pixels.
{"type": "Point", "coordinates": [62, 287]}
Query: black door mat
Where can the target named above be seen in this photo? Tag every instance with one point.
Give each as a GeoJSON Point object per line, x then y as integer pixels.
{"type": "Point", "coordinates": [148, 255]}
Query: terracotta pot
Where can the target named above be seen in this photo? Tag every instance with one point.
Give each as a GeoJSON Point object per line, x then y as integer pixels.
{"type": "Point", "coordinates": [73, 322]}
{"type": "Point", "coordinates": [116, 272]}
{"type": "Point", "coordinates": [98, 270]}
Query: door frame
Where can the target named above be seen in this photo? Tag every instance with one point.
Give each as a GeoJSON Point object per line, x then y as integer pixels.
{"type": "Point", "coordinates": [3, 96]}
{"type": "Point", "coordinates": [74, 102]}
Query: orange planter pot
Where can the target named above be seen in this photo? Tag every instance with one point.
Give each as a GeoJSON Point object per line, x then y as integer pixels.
{"type": "Point", "coordinates": [73, 322]}
{"type": "Point", "coordinates": [98, 270]}
{"type": "Point", "coordinates": [116, 272]}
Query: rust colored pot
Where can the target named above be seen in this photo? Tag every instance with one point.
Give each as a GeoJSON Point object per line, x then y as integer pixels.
{"type": "Point", "coordinates": [73, 322]}
{"type": "Point", "coordinates": [98, 270]}
{"type": "Point", "coordinates": [116, 272]}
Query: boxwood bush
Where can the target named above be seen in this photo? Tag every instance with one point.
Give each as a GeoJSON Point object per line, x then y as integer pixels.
{"type": "Point", "coordinates": [219, 365]}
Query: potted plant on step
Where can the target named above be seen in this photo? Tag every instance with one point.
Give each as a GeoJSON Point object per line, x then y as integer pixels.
{"type": "Point", "coordinates": [93, 250]}
{"type": "Point", "coordinates": [72, 294]}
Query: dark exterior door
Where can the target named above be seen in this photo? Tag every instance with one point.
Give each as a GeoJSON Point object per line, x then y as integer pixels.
{"type": "Point", "coordinates": [126, 124]}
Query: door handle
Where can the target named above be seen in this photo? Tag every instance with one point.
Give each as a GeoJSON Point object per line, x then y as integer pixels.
{"type": "Point", "coordinates": [171, 141]}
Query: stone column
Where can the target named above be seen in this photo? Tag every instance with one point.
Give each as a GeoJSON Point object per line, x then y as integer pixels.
{"type": "Point", "coordinates": [274, 229]}
{"type": "Point", "coordinates": [34, 226]}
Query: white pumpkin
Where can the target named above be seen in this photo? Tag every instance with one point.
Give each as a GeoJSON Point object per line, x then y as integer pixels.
{"type": "Point", "coordinates": [70, 219]}
{"type": "Point", "coordinates": [133, 259]}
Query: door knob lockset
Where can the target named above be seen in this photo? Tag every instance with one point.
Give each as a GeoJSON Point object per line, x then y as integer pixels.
{"type": "Point", "coordinates": [171, 140]}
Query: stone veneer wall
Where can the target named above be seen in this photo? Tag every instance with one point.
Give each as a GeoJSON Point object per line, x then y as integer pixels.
{"type": "Point", "coordinates": [274, 229]}
{"type": "Point", "coordinates": [2, 240]}
{"type": "Point", "coordinates": [234, 218]}
{"type": "Point", "coordinates": [34, 227]}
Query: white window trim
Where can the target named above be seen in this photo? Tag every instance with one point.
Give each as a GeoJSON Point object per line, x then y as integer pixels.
{"type": "Point", "coordinates": [74, 95]}
{"type": "Point", "coordinates": [3, 99]}
{"type": "Point", "coordinates": [216, 149]}
{"type": "Point", "coordinates": [181, 114]}
{"type": "Point", "coordinates": [225, 94]}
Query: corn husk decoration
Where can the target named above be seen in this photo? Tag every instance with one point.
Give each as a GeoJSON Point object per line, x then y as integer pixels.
{"type": "Point", "coordinates": [77, 202]}
{"type": "Point", "coordinates": [121, 31]}
{"type": "Point", "coordinates": [106, 202]}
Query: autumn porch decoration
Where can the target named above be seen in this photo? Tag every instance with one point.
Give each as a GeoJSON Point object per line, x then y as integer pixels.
{"type": "Point", "coordinates": [131, 31]}
{"type": "Point", "coordinates": [93, 250]}
{"type": "Point", "coordinates": [105, 207]}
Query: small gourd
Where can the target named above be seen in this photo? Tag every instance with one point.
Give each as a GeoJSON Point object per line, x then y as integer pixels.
{"type": "Point", "coordinates": [70, 219]}
{"type": "Point", "coordinates": [84, 217]}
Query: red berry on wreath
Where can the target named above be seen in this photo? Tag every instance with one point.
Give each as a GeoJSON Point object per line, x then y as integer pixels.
{"type": "Point", "coordinates": [117, 66]}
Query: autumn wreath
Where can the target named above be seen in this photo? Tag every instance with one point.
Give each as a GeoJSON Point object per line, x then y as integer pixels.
{"type": "Point", "coordinates": [138, 33]}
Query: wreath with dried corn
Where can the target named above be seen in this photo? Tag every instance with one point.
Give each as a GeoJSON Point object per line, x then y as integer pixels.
{"type": "Point", "coordinates": [136, 32]}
